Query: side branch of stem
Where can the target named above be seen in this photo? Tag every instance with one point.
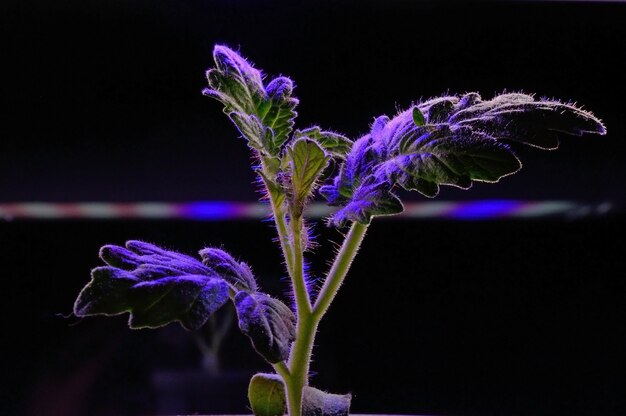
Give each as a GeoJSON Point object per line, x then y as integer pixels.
{"type": "Point", "coordinates": [339, 269]}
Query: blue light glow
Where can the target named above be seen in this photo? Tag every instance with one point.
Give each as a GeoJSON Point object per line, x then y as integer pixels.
{"type": "Point", "coordinates": [212, 210]}
{"type": "Point", "coordinates": [226, 210]}
{"type": "Point", "coordinates": [477, 210]}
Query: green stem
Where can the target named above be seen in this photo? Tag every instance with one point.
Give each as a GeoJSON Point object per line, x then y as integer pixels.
{"type": "Point", "coordinates": [291, 245]}
{"type": "Point", "coordinates": [303, 302]}
{"type": "Point", "coordinates": [299, 362]}
{"type": "Point", "coordinates": [295, 374]}
{"type": "Point", "coordinates": [282, 370]}
{"type": "Point", "coordinates": [309, 320]}
{"type": "Point", "coordinates": [283, 235]}
{"type": "Point", "coordinates": [268, 174]}
{"type": "Point", "coordinates": [300, 356]}
{"type": "Point", "coordinates": [339, 269]}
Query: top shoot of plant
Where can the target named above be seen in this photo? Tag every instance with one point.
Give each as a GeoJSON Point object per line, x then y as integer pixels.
{"type": "Point", "coordinates": [449, 140]}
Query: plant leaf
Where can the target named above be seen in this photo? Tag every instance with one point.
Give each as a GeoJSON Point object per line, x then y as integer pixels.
{"type": "Point", "coordinates": [278, 111]}
{"type": "Point", "coordinates": [446, 157]}
{"type": "Point", "coordinates": [357, 190]}
{"type": "Point", "coordinates": [237, 78]}
{"type": "Point", "coordinates": [266, 394]}
{"type": "Point", "coordinates": [154, 285]}
{"type": "Point", "coordinates": [319, 403]}
{"type": "Point", "coordinates": [264, 114]}
{"type": "Point", "coordinates": [305, 160]}
{"type": "Point", "coordinates": [334, 143]}
{"type": "Point", "coordinates": [368, 199]}
{"type": "Point", "coordinates": [234, 81]}
{"type": "Point", "coordinates": [267, 398]}
{"type": "Point", "coordinates": [238, 274]}
{"type": "Point", "coordinates": [418, 117]}
{"type": "Point", "coordinates": [251, 129]}
{"type": "Point", "coordinates": [106, 293]}
{"type": "Point", "coordinates": [447, 140]}
{"type": "Point", "coordinates": [268, 322]}
{"type": "Point", "coordinates": [522, 118]}
{"type": "Point", "coordinates": [188, 299]}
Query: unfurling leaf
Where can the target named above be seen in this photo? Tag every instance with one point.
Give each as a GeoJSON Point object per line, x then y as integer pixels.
{"type": "Point", "coordinates": [234, 82]}
{"type": "Point", "coordinates": [238, 274]}
{"type": "Point", "coordinates": [269, 324]}
{"type": "Point", "coordinates": [252, 130]}
{"type": "Point", "coordinates": [333, 143]}
{"type": "Point", "coordinates": [448, 140]}
{"type": "Point", "coordinates": [267, 398]}
{"type": "Point", "coordinates": [277, 111]}
{"type": "Point", "coordinates": [266, 394]}
{"type": "Point", "coordinates": [264, 114]}
{"type": "Point", "coordinates": [154, 285]}
{"type": "Point", "coordinates": [305, 162]}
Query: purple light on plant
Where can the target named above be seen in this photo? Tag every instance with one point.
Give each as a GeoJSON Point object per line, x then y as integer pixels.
{"type": "Point", "coordinates": [479, 210]}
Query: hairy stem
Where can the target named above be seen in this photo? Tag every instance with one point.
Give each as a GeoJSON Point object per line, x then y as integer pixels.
{"type": "Point", "coordinates": [295, 373]}
{"type": "Point", "coordinates": [299, 362]}
{"type": "Point", "coordinates": [300, 356]}
{"type": "Point", "coordinates": [282, 370]}
{"type": "Point", "coordinates": [283, 235]}
{"type": "Point", "coordinates": [339, 269]}
{"type": "Point", "coordinates": [308, 320]}
{"type": "Point", "coordinates": [303, 302]}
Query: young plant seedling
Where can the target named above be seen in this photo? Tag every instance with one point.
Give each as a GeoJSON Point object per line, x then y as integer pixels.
{"type": "Point", "coordinates": [450, 140]}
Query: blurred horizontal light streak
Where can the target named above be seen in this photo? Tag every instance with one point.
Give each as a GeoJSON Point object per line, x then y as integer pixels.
{"type": "Point", "coordinates": [226, 210]}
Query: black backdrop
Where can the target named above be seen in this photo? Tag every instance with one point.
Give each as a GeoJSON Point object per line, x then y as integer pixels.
{"type": "Point", "coordinates": [102, 103]}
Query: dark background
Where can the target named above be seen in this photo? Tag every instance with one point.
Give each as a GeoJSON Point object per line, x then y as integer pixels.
{"type": "Point", "coordinates": [102, 103]}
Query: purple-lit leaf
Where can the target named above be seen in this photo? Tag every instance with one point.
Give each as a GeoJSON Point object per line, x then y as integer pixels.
{"type": "Point", "coordinates": [106, 294]}
{"type": "Point", "coordinates": [367, 200]}
{"type": "Point", "coordinates": [264, 114]}
{"type": "Point", "coordinates": [154, 285]}
{"type": "Point", "coordinates": [448, 140]}
{"type": "Point", "coordinates": [333, 143]}
{"type": "Point", "coordinates": [277, 111]}
{"type": "Point", "coordinates": [319, 403]}
{"type": "Point", "coordinates": [238, 274]}
{"type": "Point", "coordinates": [522, 118]}
{"type": "Point", "coordinates": [445, 157]}
{"type": "Point", "coordinates": [268, 322]}
{"type": "Point", "coordinates": [438, 110]}
{"type": "Point", "coordinates": [305, 161]}
{"type": "Point", "coordinates": [359, 193]}
{"type": "Point", "coordinates": [354, 173]}
{"type": "Point", "coordinates": [188, 299]}
{"type": "Point", "coordinates": [234, 81]}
